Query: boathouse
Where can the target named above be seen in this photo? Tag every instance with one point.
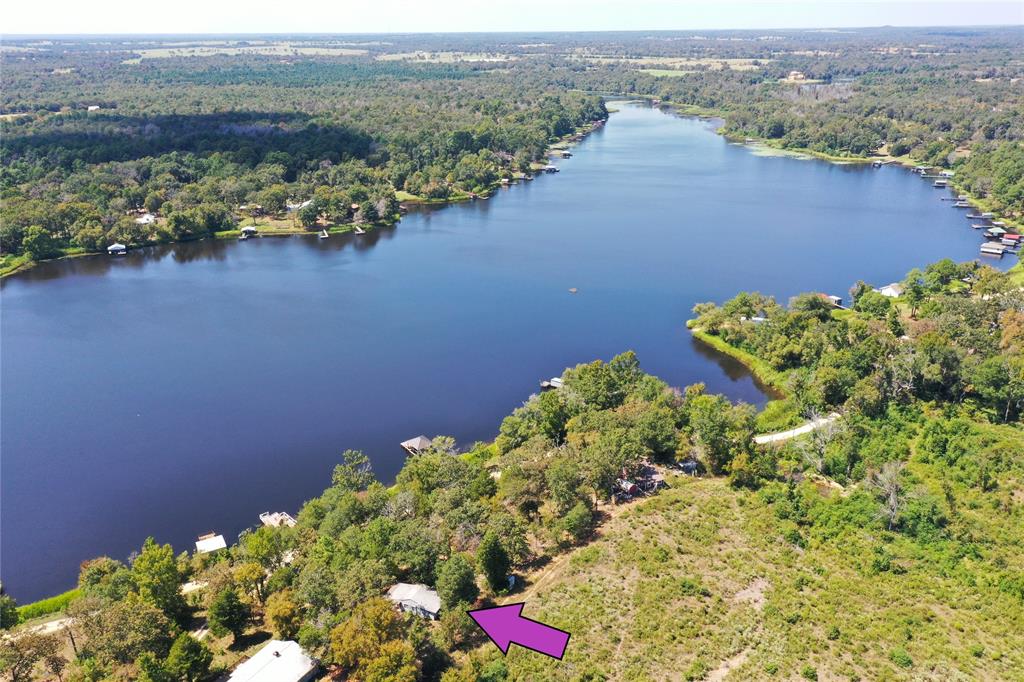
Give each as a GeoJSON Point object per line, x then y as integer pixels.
{"type": "Point", "coordinates": [416, 599]}
{"type": "Point", "coordinates": [415, 446]}
{"type": "Point", "coordinates": [553, 382]}
{"type": "Point", "coordinates": [211, 542]}
{"type": "Point", "coordinates": [278, 661]}
{"type": "Point", "coordinates": [249, 231]}
{"type": "Point", "coordinates": [992, 249]}
{"type": "Point", "coordinates": [117, 249]}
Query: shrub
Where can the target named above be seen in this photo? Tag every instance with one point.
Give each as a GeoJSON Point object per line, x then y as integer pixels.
{"type": "Point", "coordinates": [901, 658]}
{"type": "Point", "coordinates": [45, 607]}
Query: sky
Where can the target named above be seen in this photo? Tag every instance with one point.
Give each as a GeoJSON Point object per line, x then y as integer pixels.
{"type": "Point", "coordinates": [413, 16]}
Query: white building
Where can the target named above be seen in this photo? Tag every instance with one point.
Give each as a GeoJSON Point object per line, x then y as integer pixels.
{"type": "Point", "coordinates": [418, 599]}
{"type": "Point", "coordinates": [894, 290]}
{"type": "Point", "coordinates": [278, 661]}
{"type": "Point", "coordinates": [117, 249]}
{"type": "Point", "coordinates": [210, 542]}
{"type": "Point", "coordinates": [146, 219]}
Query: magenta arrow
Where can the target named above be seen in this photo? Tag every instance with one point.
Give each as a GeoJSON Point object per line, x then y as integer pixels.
{"type": "Point", "coordinates": [505, 625]}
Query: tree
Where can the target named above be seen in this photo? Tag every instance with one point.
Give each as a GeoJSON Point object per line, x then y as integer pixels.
{"type": "Point", "coordinates": [456, 582]}
{"type": "Point", "coordinates": [20, 655]}
{"type": "Point", "coordinates": [8, 612]}
{"type": "Point", "coordinates": [189, 659]}
{"type": "Point", "coordinates": [282, 616]}
{"type": "Point", "coordinates": [228, 613]}
{"type": "Point", "coordinates": [155, 571]}
{"type": "Point", "coordinates": [122, 631]}
{"type": "Point", "coordinates": [889, 487]}
{"type": "Point", "coordinates": [493, 561]}
{"type": "Point", "coordinates": [39, 243]}
{"type": "Point", "coordinates": [365, 644]}
{"type": "Point", "coordinates": [251, 577]}
{"type": "Point", "coordinates": [578, 520]}
{"type": "Point", "coordinates": [354, 473]}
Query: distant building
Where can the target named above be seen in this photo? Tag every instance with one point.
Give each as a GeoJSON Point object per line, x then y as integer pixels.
{"type": "Point", "coordinates": [93, 107]}
{"type": "Point", "coordinates": [417, 599]}
{"type": "Point", "coordinates": [211, 542]}
{"type": "Point", "coordinates": [894, 290]}
{"type": "Point", "coordinates": [117, 249]}
{"type": "Point", "coordinates": [797, 76]}
{"type": "Point", "coordinates": [295, 207]}
{"type": "Point", "coordinates": [278, 661]}
{"type": "Point", "coordinates": [146, 219]}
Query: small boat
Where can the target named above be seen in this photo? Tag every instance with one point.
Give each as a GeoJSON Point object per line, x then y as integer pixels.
{"type": "Point", "coordinates": [573, 290]}
{"type": "Point", "coordinates": [978, 226]}
{"type": "Point", "coordinates": [961, 204]}
{"type": "Point", "coordinates": [973, 216]}
{"type": "Point", "coordinates": [963, 197]}
{"type": "Point", "coordinates": [940, 183]}
{"type": "Point", "coordinates": [323, 234]}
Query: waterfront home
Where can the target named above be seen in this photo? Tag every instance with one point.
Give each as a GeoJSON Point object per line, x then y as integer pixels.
{"type": "Point", "coordinates": [117, 249]}
{"type": "Point", "coordinates": [416, 599]}
{"type": "Point", "coordinates": [295, 207]}
{"type": "Point", "coordinates": [211, 542]}
{"type": "Point", "coordinates": [894, 290]}
{"type": "Point", "coordinates": [415, 446]}
{"type": "Point", "coordinates": [277, 661]}
{"type": "Point", "coordinates": [277, 519]}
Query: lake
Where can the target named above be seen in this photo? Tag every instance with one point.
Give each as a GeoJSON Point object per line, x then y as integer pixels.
{"type": "Point", "coordinates": [187, 388]}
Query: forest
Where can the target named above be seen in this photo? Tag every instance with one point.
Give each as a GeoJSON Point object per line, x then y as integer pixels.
{"type": "Point", "coordinates": [144, 141]}
{"type": "Point", "coordinates": [913, 486]}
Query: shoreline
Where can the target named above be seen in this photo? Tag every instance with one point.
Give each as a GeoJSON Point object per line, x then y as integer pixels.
{"type": "Point", "coordinates": [771, 379]}
{"type": "Point", "coordinates": [23, 263]}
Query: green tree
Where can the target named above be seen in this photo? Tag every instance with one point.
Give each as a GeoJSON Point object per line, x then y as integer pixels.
{"type": "Point", "coordinates": [155, 572]}
{"type": "Point", "coordinates": [228, 613]}
{"type": "Point", "coordinates": [493, 561]}
{"type": "Point", "coordinates": [39, 244]}
{"type": "Point", "coordinates": [8, 612]}
{"type": "Point", "coordinates": [578, 520]}
{"type": "Point", "coordinates": [282, 615]}
{"type": "Point", "coordinates": [354, 473]}
{"type": "Point", "coordinates": [369, 644]}
{"type": "Point", "coordinates": [189, 659]}
{"type": "Point", "coordinates": [456, 581]}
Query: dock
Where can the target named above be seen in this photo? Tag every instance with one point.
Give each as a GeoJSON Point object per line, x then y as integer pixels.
{"type": "Point", "coordinates": [323, 234]}
{"type": "Point", "coordinates": [993, 249]}
{"type": "Point", "coordinates": [360, 230]}
{"type": "Point", "coordinates": [552, 383]}
{"type": "Point", "coordinates": [277, 519]}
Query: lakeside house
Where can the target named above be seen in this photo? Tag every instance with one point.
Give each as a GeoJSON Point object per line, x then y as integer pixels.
{"type": "Point", "coordinates": [277, 519]}
{"type": "Point", "coordinates": [894, 290]}
{"type": "Point", "coordinates": [277, 661]}
{"type": "Point", "coordinates": [415, 446]}
{"type": "Point", "coordinates": [416, 599]}
{"type": "Point", "coordinates": [211, 542]}
{"type": "Point", "coordinates": [117, 249]}
{"type": "Point", "coordinates": [295, 207]}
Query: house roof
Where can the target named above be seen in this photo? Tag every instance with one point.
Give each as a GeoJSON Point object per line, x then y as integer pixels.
{"type": "Point", "coordinates": [419, 596]}
{"type": "Point", "coordinates": [117, 246]}
{"type": "Point", "coordinates": [278, 661]}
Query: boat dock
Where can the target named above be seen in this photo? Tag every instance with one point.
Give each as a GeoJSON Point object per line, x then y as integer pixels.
{"type": "Point", "coordinates": [552, 383]}
{"type": "Point", "coordinates": [415, 446]}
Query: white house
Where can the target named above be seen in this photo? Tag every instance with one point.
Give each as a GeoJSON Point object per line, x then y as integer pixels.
{"type": "Point", "coordinates": [278, 661]}
{"type": "Point", "coordinates": [418, 599]}
{"type": "Point", "coordinates": [894, 290]}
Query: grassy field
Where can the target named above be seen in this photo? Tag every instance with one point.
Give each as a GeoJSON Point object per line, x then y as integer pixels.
{"type": "Point", "coordinates": [700, 582]}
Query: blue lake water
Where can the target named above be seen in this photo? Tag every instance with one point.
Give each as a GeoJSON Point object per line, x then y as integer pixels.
{"type": "Point", "coordinates": [188, 388]}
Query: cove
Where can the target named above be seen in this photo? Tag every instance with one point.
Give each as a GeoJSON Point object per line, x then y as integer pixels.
{"type": "Point", "coordinates": [188, 388]}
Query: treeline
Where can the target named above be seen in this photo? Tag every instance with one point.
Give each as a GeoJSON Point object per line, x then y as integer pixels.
{"type": "Point", "coordinates": [193, 150]}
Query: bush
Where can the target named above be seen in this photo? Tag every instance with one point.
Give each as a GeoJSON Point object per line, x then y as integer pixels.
{"type": "Point", "coordinates": [901, 658]}
{"type": "Point", "coordinates": [809, 672]}
{"type": "Point", "coordinates": [45, 607]}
